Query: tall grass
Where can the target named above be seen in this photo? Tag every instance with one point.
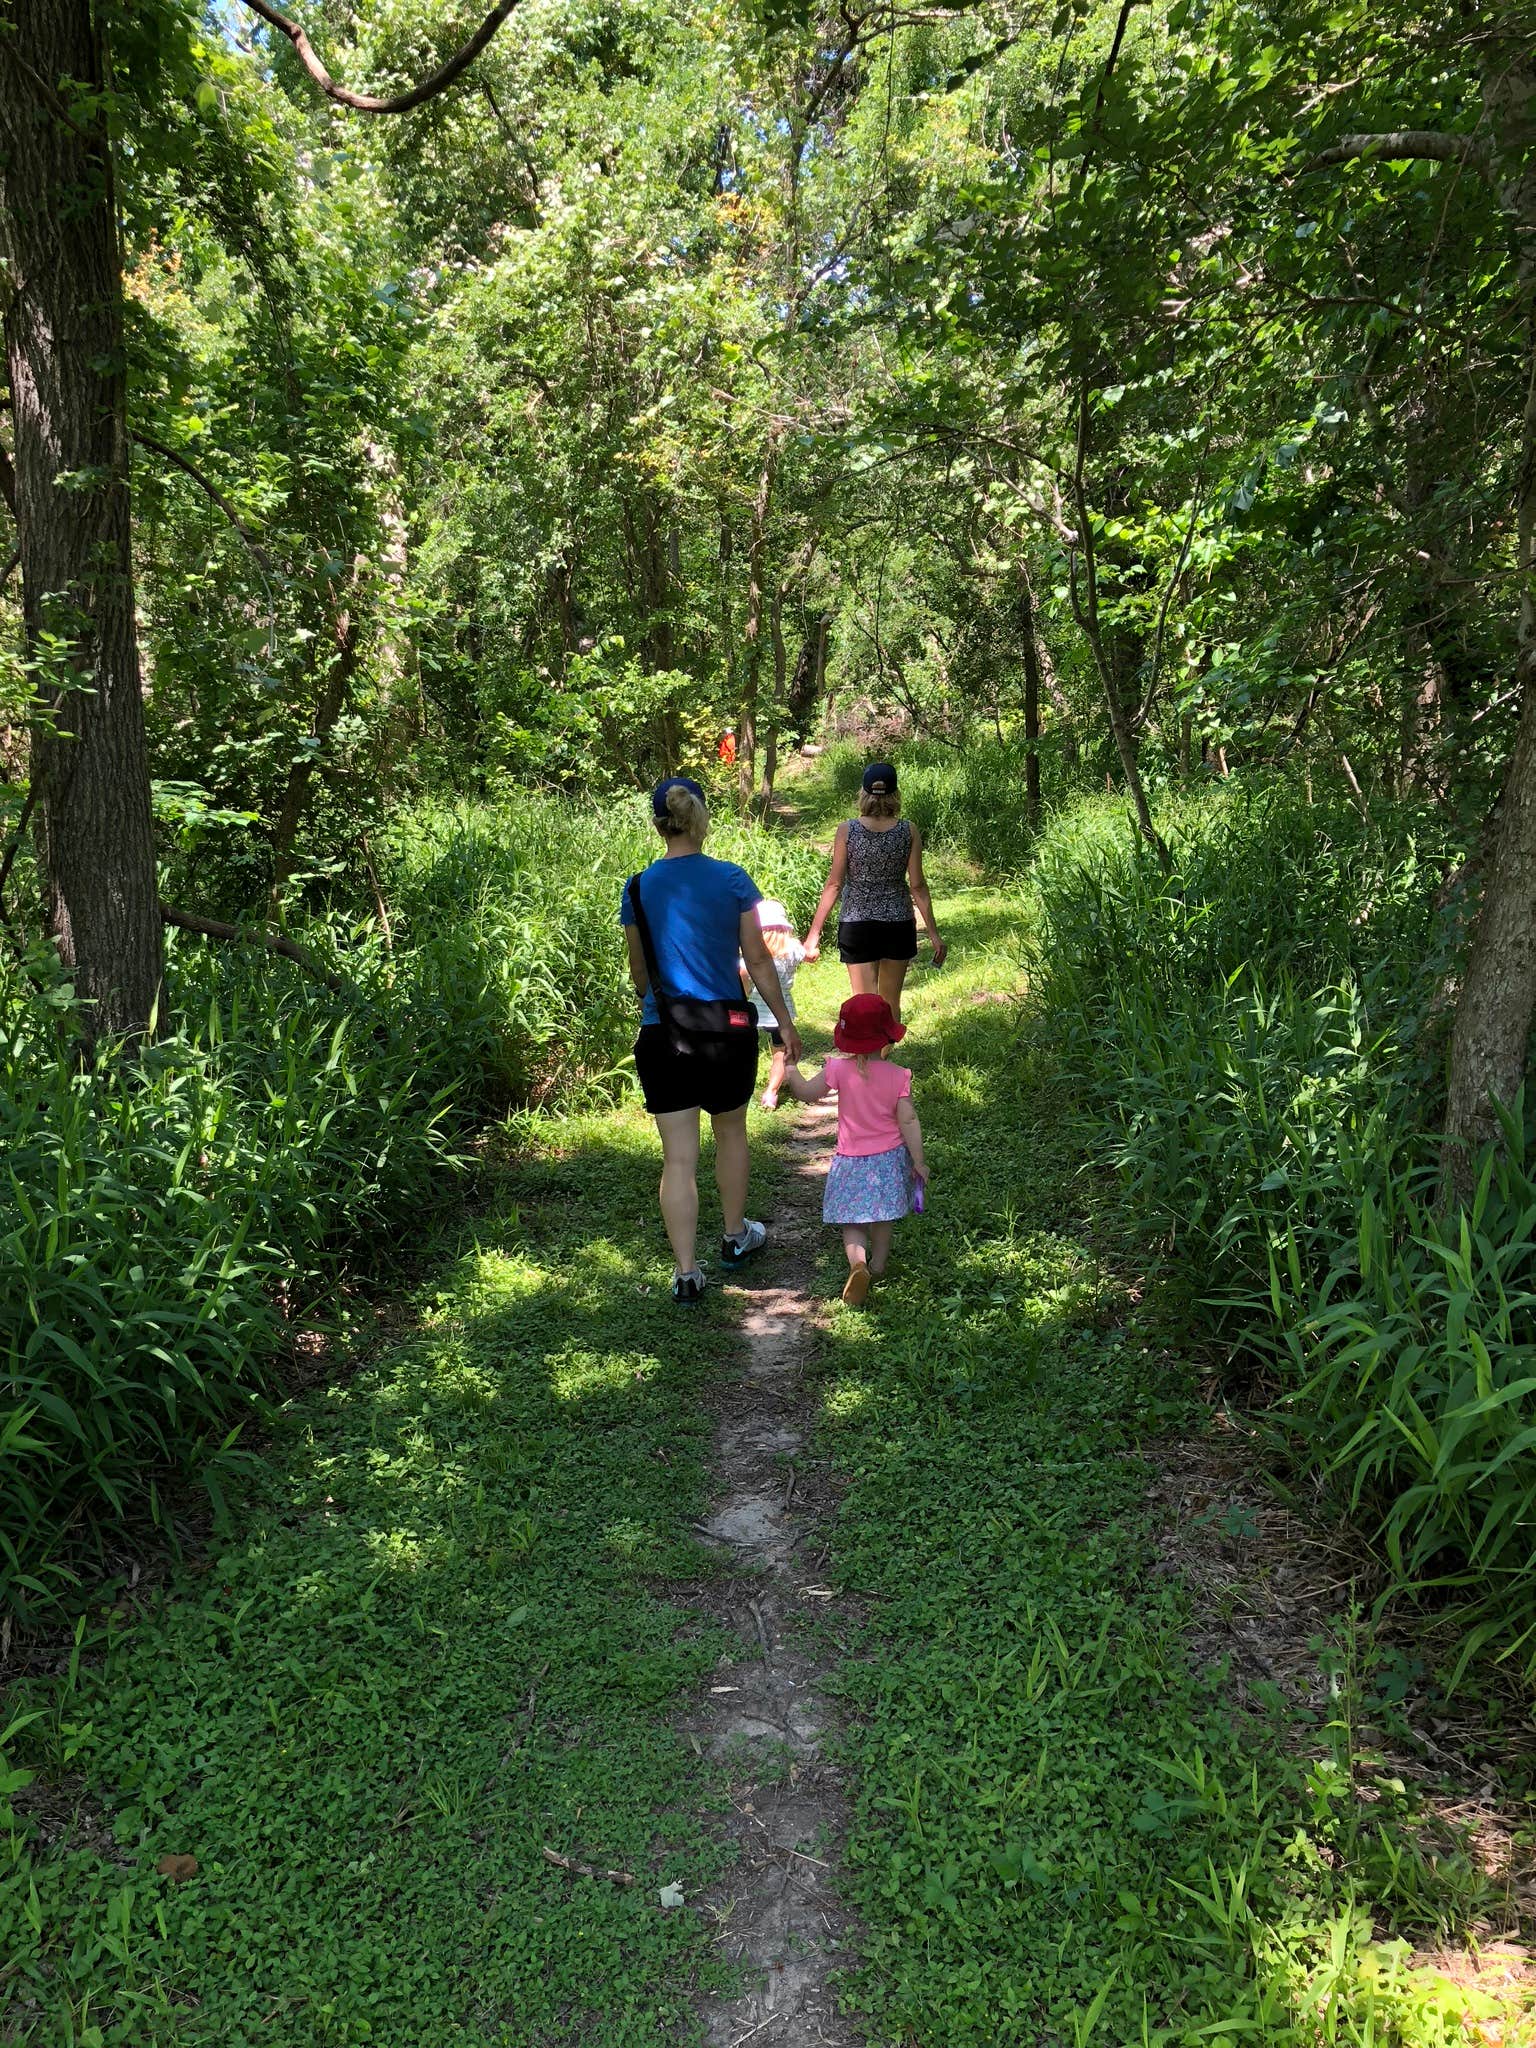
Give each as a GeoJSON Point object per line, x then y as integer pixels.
{"type": "Point", "coordinates": [167, 1219]}
{"type": "Point", "coordinates": [966, 800]}
{"type": "Point", "coordinates": [1254, 1037]}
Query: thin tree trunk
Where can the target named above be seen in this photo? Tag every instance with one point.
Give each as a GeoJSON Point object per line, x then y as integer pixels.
{"type": "Point", "coordinates": [1085, 609]}
{"type": "Point", "coordinates": [727, 555]}
{"type": "Point", "coordinates": [1070, 753]}
{"type": "Point", "coordinates": [780, 670]}
{"type": "Point", "coordinates": [746, 723]}
{"type": "Point", "coordinates": [1031, 703]}
{"type": "Point", "coordinates": [64, 348]}
{"type": "Point", "coordinates": [334, 695]}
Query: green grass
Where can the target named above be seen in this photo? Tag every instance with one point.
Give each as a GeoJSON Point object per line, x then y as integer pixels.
{"type": "Point", "coordinates": [334, 1716]}
{"type": "Point", "coordinates": [1059, 1832]}
{"type": "Point", "coordinates": [438, 1640]}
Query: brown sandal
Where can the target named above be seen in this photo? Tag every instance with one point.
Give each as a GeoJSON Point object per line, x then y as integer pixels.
{"type": "Point", "coordinates": [857, 1290]}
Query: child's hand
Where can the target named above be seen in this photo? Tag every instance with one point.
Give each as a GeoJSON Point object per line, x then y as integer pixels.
{"type": "Point", "coordinates": [812, 951]}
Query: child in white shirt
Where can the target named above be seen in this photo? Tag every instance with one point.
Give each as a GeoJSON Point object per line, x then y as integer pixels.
{"type": "Point", "coordinates": [787, 951]}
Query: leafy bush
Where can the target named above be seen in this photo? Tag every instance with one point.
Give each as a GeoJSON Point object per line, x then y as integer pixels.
{"type": "Point", "coordinates": [1250, 1026]}
{"type": "Point", "coordinates": [165, 1218]}
{"type": "Point", "coordinates": [160, 1215]}
{"type": "Point", "coordinates": [1418, 1352]}
{"type": "Point", "coordinates": [510, 918]}
{"type": "Point", "coordinates": [1250, 1036]}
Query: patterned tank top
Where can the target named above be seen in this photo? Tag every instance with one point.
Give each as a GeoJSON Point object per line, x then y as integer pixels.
{"type": "Point", "coordinates": [876, 889]}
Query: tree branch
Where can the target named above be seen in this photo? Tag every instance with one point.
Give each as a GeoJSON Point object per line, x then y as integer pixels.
{"type": "Point", "coordinates": [365, 103]}
{"type": "Point", "coordinates": [14, 847]}
{"type": "Point", "coordinates": [1401, 145]}
{"type": "Point", "coordinates": [210, 490]}
{"type": "Point", "coordinates": [252, 934]}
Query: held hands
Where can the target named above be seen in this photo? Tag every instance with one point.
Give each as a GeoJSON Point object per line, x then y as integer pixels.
{"type": "Point", "coordinates": [793, 1048]}
{"type": "Point", "coordinates": [812, 947]}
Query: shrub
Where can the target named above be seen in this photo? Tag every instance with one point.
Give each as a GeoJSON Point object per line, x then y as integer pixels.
{"type": "Point", "coordinates": [164, 1218]}
{"type": "Point", "coordinates": [1248, 1034]}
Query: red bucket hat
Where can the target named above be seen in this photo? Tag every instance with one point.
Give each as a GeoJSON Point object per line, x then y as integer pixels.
{"type": "Point", "coordinates": [865, 1024]}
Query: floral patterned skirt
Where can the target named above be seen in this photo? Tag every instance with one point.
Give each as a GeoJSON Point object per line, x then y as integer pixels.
{"type": "Point", "coordinates": [874, 1189]}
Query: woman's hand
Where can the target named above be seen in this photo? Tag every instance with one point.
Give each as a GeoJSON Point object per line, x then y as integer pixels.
{"type": "Point", "coordinates": [812, 947]}
{"type": "Point", "coordinates": [940, 950]}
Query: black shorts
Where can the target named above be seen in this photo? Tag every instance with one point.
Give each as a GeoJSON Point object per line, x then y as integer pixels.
{"type": "Point", "coordinates": [871, 939]}
{"type": "Point", "coordinates": [718, 1078]}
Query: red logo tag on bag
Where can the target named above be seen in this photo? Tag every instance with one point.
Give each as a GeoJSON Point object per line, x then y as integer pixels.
{"type": "Point", "coordinates": [739, 1017]}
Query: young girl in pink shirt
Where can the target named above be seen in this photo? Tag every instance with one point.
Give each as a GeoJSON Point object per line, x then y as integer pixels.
{"type": "Point", "coordinates": [879, 1140]}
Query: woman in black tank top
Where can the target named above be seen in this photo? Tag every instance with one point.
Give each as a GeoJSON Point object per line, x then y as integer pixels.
{"type": "Point", "coordinates": [877, 870]}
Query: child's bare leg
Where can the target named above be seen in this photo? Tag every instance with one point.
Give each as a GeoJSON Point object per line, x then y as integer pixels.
{"type": "Point", "coordinates": [879, 1246]}
{"type": "Point", "coordinates": [856, 1245]}
{"type": "Point", "coordinates": [776, 1068]}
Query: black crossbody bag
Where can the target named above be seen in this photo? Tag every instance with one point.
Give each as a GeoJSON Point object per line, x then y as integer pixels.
{"type": "Point", "coordinates": [692, 1024]}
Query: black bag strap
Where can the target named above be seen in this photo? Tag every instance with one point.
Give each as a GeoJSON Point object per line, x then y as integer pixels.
{"type": "Point", "coordinates": [648, 947]}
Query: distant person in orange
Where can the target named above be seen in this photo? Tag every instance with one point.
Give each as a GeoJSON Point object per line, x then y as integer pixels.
{"type": "Point", "coordinates": [727, 748]}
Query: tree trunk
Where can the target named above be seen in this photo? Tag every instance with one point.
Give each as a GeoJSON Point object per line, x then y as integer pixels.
{"type": "Point", "coordinates": [780, 666]}
{"type": "Point", "coordinates": [1031, 704]}
{"type": "Point", "coordinates": [1494, 1010]}
{"type": "Point", "coordinates": [752, 632]}
{"type": "Point", "coordinates": [334, 695]}
{"type": "Point", "coordinates": [1085, 609]}
{"type": "Point", "coordinates": [1071, 753]}
{"type": "Point", "coordinates": [64, 347]}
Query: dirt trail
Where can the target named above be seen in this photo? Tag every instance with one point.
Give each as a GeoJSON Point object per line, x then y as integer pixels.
{"type": "Point", "coordinates": [765, 1716]}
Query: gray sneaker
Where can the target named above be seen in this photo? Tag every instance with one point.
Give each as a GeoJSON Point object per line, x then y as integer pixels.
{"type": "Point", "coordinates": [688, 1288]}
{"type": "Point", "coordinates": [752, 1239]}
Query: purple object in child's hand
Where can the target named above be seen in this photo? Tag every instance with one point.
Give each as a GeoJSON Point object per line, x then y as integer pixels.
{"type": "Point", "coordinates": [917, 1198]}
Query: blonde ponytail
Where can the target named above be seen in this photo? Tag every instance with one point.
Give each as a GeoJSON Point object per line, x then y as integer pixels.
{"type": "Point", "coordinates": [686, 816]}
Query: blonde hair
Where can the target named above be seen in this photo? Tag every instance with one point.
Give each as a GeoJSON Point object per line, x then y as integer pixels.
{"type": "Point", "coordinates": [879, 803]}
{"type": "Point", "coordinates": [686, 816]}
{"type": "Point", "coordinates": [778, 941]}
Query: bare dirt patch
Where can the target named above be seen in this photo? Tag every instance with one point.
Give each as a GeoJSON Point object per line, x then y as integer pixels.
{"type": "Point", "coordinates": [765, 1714]}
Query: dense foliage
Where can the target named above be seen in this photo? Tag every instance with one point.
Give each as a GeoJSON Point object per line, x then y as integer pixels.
{"type": "Point", "coordinates": [170, 1222]}
{"type": "Point", "coordinates": [1132, 396]}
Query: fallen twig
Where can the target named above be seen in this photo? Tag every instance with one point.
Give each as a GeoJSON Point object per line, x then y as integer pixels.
{"type": "Point", "coordinates": [762, 1631]}
{"type": "Point", "coordinates": [576, 1869]}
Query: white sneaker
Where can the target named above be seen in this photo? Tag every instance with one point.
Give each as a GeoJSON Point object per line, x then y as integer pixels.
{"type": "Point", "coordinates": [752, 1239]}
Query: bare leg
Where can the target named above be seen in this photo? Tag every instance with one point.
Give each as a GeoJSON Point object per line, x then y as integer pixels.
{"type": "Point", "coordinates": [879, 1246]}
{"type": "Point", "coordinates": [864, 978]}
{"type": "Point", "coordinates": [732, 1166]}
{"type": "Point", "coordinates": [679, 1131]}
{"type": "Point", "coordinates": [776, 1068]}
{"type": "Point", "coordinates": [855, 1244]}
{"type": "Point", "coordinates": [892, 974]}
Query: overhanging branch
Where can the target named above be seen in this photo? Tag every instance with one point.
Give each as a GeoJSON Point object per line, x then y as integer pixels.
{"type": "Point", "coordinates": [252, 934]}
{"type": "Point", "coordinates": [366, 103]}
{"type": "Point", "coordinates": [210, 490]}
{"type": "Point", "coordinates": [1401, 145]}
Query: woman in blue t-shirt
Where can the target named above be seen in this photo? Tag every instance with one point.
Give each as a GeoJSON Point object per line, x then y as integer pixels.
{"type": "Point", "coordinates": [702, 915]}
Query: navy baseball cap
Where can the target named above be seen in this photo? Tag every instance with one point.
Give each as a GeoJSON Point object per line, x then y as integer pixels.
{"type": "Point", "coordinates": [880, 776]}
{"type": "Point", "coordinates": [659, 793]}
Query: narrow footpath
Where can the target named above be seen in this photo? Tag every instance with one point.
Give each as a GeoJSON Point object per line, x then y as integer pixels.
{"type": "Point", "coordinates": [766, 1718]}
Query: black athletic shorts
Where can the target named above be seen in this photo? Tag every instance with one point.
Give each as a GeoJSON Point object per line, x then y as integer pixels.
{"type": "Point", "coordinates": [718, 1078]}
{"type": "Point", "coordinates": [870, 939]}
